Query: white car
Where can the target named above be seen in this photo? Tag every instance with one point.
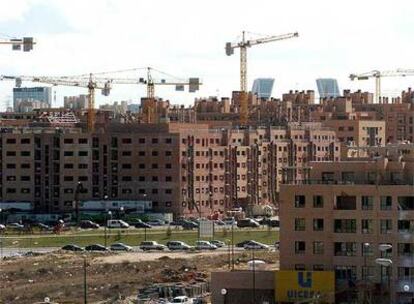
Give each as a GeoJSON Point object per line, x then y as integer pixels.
{"type": "Point", "coordinates": [151, 245]}
{"type": "Point", "coordinates": [182, 300]}
{"type": "Point", "coordinates": [253, 245]}
{"type": "Point", "coordinates": [120, 247]}
{"type": "Point", "coordinates": [217, 243]}
{"type": "Point", "coordinates": [205, 245]}
{"type": "Point", "coordinates": [117, 224]}
{"type": "Point", "coordinates": [2, 227]}
{"type": "Point", "coordinates": [178, 245]}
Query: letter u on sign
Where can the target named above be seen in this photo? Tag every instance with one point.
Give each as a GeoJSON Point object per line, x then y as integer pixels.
{"type": "Point", "coordinates": [305, 279]}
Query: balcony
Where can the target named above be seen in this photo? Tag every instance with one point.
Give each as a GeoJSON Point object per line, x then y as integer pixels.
{"type": "Point", "coordinates": [344, 182]}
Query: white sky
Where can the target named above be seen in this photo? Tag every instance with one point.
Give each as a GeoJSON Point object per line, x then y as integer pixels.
{"type": "Point", "coordinates": [186, 38]}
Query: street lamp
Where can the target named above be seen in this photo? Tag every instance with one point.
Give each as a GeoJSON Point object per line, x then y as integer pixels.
{"type": "Point", "coordinates": [106, 224]}
{"type": "Point", "coordinates": [223, 292]}
{"type": "Point", "coordinates": [387, 263]}
{"type": "Point", "coordinates": [121, 211]}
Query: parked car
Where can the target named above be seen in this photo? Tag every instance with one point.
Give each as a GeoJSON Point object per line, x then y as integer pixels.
{"type": "Point", "coordinates": [2, 227]}
{"type": "Point", "coordinates": [96, 247]}
{"type": "Point", "coordinates": [230, 221]}
{"type": "Point", "coordinates": [277, 245]}
{"type": "Point", "coordinates": [43, 226]}
{"type": "Point", "coordinates": [151, 245]}
{"type": "Point", "coordinates": [253, 245]}
{"type": "Point", "coordinates": [218, 243]}
{"type": "Point", "coordinates": [86, 224]}
{"type": "Point", "coordinates": [117, 224]}
{"type": "Point", "coordinates": [120, 247]}
{"type": "Point", "coordinates": [241, 244]}
{"type": "Point", "coordinates": [182, 300]}
{"type": "Point", "coordinates": [15, 226]}
{"type": "Point", "coordinates": [178, 245]}
{"type": "Point", "coordinates": [205, 245]}
{"type": "Point", "coordinates": [155, 222]}
{"type": "Point", "coordinates": [247, 222]}
{"type": "Point", "coordinates": [72, 247]}
{"type": "Point", "coordinates": [188, 225]}
{"type": "Point", "coordinates": [219, 223]}
{"type": "Point", "coordinates": [141, 224]}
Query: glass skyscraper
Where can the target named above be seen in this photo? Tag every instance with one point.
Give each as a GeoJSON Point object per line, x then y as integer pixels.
{"type": "Point", "coordinates": [263, 87]}
{"type": "Point", "coordinates": [327, 87]}
{"type": "Point", "coordinates": [43, 94]}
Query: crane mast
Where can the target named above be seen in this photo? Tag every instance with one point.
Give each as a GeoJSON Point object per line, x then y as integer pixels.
{"type": "Point", "coordinates": [243, 45]}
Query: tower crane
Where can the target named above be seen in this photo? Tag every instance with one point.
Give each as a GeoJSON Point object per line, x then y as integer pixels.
{"type": "Point", "coordinates": [17, 43]}
{"type": "Point", "coordinates": [104, 81]}
{"type": "Point", "coordinates": [243, 45]}
{"type": "Point", "coordinates": [149, 107]}
{"type": "Point", "coordinates": [73, 81]}
{"type": "Point", "coordinates": [378, 75]}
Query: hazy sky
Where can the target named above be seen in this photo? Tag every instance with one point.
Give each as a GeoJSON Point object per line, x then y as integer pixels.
{"type": "Point", "coordinates": [186, 38]}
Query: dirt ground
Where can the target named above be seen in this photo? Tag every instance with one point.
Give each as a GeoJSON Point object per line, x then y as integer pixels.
{"type": "Point", "coordinates": [59, 276]}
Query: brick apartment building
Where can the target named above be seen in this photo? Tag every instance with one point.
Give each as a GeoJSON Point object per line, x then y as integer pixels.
{"type": "Point", "coordinates": [182, 168]}
{"type": "Point", "coordinates": [337, 218]}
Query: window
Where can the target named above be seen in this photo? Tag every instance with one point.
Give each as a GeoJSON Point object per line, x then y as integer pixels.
{"type": "Point", "coordinates": [168, 179]}
{"type": "Point", "coordinates": [83, 166]}
{"type": "Point", "coordinates": [68, 153]}
{"type": "Point", "coordinates": [345, 273]}
{"type": "Point", "coordinates": [168, 153]}
{"type": "Point", "coordinates": [154, 140]}
{"type": "Point", "coordinates": [25, 153]}
{"type": "Point", "coordinates": [126, 178]}
{"type": "Point", "coordinates": [300, 201]}
{"type": "Point", "coordinates": [385, 226]}
{"type": "Point", "coordinates": [168, 166]}
{"type": "Point", "coordinates": [345, 202]}
{"type": "Point", "coordinates": [367, 202]}
{"type": "Point", "coordinates": [68, 178]}
{"type": "Point", "coordinates": [406, 203]}
{"type": "Point", "coordinates": [168, 191]}
{"type": "Point", "coordinates": [367, 249]}
{"type": "Point", "coordinates": [126, 166]}
{"type": "Point", "coordinates": [406, 249]}
{"type": "Point", "coordinates": [141, 140]}
{"type": "Point", "coordinates": [25, 141]}
{"type": "Point", "coordinates": [406, 226]}
{"type": "Point", "coordinates": [318, 224]}
{"type": "Point", "coordinates": [168, 140]}
{"type": "Point", "coordinates": [154, 191]}
{"type": "Point", "coordinates": [11, 153]}
{"type": "Point", "coordinates": [386, 202]}
{"type": "Point", "coordinates": [141, 178]}
{"type": "Point", "coordinates": [11, 190]}
{"type": "Point", "coordinates": [300, 247]}
{"type": "Point", "coordinates": [126, 140]}
{"type": "Point", "coordinates": [345, 249]}
{"type": "Point", "coordinates": [126, 153]}
{"type": "Point", "coordinates": [154, 153]}
{"type": "Point", "coordinates": [68, 166]}
{"type": "Point", "coordinates": [83, 153]}
{"type": "Point", "coordinates": [299, 224]}
{"type": "Point", "coordinates": [68, 141]}
{"type": "Point", "coordinates": [24, 166]}
{"type": "Point", "coordinates": [317, 201]}
{"type": "Point", "coordinates": [83, 141]}
{"type": "Point", "coordinates": [368, 272]}
{"type": "Point", "coordinates": [25, 178]}
{"type": "Point", "coordinates": [318, 267]}
{"type": "Point", "coordinates": [318, 247]}
{"type": "Point", "coordinates": [82, 178]}
{"type": "Point", "coordinates": [11, 178]}
{"type": "Point", "coordinates": [10, 141]}
{"type": "Point", "coordinates": [367, 226]}
{"type": "Point", "coordinates": [141, 153]}
{"type": "Point", "coordinates": [345, 226]}
{"type": "Point", "coordinates": [154, 166]}
{"type": "Point", "coordinates": [300, 267]}
{"type": "Point", "coordinates": [155, 178]}
{"type": "Point", "coordinates": [11, 166]}
{"type": "Point", "coordinates": [141, 166]}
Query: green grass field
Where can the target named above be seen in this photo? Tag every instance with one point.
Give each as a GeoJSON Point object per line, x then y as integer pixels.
{"type": "Point", "coordinates": [133, 237]}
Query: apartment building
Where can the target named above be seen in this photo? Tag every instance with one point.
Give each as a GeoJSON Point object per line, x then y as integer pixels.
{"type": "Point", "coordinates": [338, 217]}
{"type": "Point", "coordinates": [182, 168]}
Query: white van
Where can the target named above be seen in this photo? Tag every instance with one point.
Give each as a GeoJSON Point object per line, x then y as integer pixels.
{"type": "Point", "coordinates": [117, 224]}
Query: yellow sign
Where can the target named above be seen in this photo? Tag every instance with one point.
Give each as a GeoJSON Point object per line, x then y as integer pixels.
{"type": "Point", "coordinates": [293, 286]}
